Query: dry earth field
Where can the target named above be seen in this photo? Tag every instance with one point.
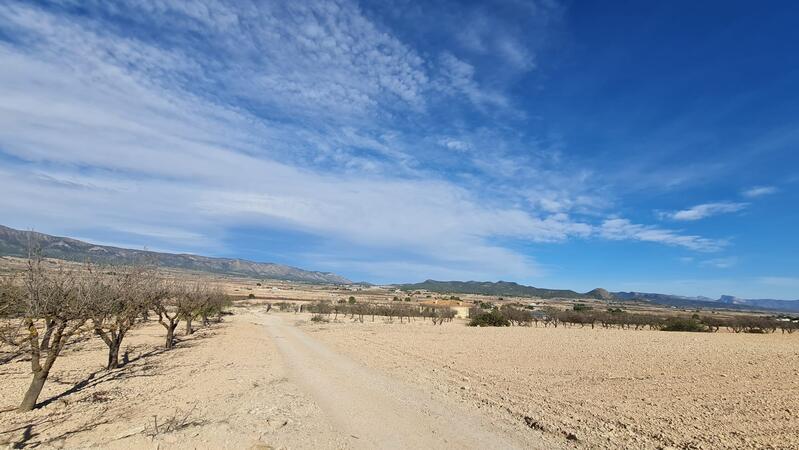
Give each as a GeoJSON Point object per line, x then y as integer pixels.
{"type": "Point", "coordinates": [602, 388]}
{"type": "Point", "coordinates": [277, 380]}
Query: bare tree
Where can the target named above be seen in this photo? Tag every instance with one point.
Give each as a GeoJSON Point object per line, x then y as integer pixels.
{"type": "Point", "coordinates": [200, 300]}
{"type": "Point", "coordinates": [116, 302]}
{"type": "Point", "coordinates": [189, 304]}
{"type": "Point", "coordinates": [50, 298]}
{"type": "Point", "coordinates": [10, 326]}
{"type": "Point", "coordinates": [214, 305]}
{"type": "Point", "coordinates": [166, 304]}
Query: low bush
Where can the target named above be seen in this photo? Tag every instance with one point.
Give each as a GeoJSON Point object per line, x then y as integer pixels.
{"type": "Point", "coordinates": [684, 324]}
{"type": "Point", "coordinates": [492, 318]}
{"type": "Point", "coordinates": [319, 318]}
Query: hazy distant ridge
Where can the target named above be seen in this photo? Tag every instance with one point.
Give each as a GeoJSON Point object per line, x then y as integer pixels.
{"type": "Point", "coordinates": [510, 289]}
{"type": "Point", "coordinates": [499, 288]}
{"type": "Point", "coordinates": [725, 301]}
{"type": "Point", "coordinates": [15, 243]}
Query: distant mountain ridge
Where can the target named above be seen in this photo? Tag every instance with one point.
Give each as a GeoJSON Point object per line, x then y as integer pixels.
{"type": "Point", "coordinates": [15, 243]}
{"type": "Point", "coordinates": [725, 301]}
{"type": "Point", "coordinates": [500, 288]}
{"type": "Point", "coordinates": [510, 289]}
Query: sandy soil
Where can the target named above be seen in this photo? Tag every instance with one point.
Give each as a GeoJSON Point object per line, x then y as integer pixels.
{"type": "Point", "coordinates": [254, 381]}
{"type": "Point", "coordinates": [374, 410]}
{"type": "Point", "coordinates": [279, 381]}
{"type": "Point", "coordinates": [596, 388]}
{"type": "Point", "coordinates": [229, 382]}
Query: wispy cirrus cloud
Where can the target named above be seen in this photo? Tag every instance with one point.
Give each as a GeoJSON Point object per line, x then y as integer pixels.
{"type": "Point", "coordinates": [720, 263]}
{"type": "Point", "coordinates": [704, 210]}
{"type": "Point", "coordinates": [759, 191]}
{"type": "Point", "coordinates": [624, 229]}
{"type": "Point", "coordinates": [306, 117]}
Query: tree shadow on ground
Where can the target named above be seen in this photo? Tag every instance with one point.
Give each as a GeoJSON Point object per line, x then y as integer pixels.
{"type": "Point", "coordinates": [34, 429]}
{"type": "Point", "coordinates": [128, 369]}
{"type": "Point", "coordinates": [125, 371]}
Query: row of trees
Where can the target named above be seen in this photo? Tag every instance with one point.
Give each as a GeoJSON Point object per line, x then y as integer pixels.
{"type": "Point", "coordinates": [45, 308]}
{"type": "Point", "coordinates": [508, 315]}
{"type": "Point", "coordinates": [357, 311]}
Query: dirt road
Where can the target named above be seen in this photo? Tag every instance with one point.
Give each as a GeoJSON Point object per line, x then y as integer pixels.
{"type": "Point", "coordinates": [370, 409]}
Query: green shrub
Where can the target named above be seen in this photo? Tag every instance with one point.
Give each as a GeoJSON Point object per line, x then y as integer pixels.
{"type": "Point", "coordinates": [485, 305]}
{"type": "Point", "coordinates": [684, 324]}
{"type": "Point", "coordinates": [251, 296]}
{"type": "Point", "coordinates": [490, 319]}
{"type": "Point", "coordinates": [581, 307]}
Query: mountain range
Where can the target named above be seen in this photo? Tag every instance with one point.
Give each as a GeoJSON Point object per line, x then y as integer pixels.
{"type": "Point", "coordinates": [725, 301]}
{"type": "Point", "coordinates": [510, 289]}
{"type": "Point", "coordinates": [500, 288]}
{"type": "Point", "coordinates": [15, 243]}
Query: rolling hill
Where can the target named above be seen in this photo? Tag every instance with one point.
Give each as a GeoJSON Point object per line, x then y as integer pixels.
{"type": "Point", "coordinates": [500, 288]}
{"type": "Point", "coordinates": [15, 243]}
{"type": "Point", "coordinates": [510, 289]}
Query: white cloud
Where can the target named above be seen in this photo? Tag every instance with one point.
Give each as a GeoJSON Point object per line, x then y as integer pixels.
{"type": "Point", "coordinates": [510, 41]}
{"type": "Point", "coordinates": [720, 263]}
{"type": "Point", "coordinates": [623, 229]}
{"type": "Point", "coordinates": [454, 144]}
{"type": "Point", "coordinates": [176, 168]}
{"type": "Point", "coordinates": [759, 191]}
{"type": "Point", "coordinates": [704, 210]}
{"type": "Point", "coordinates": [459, 78]}
{"type": "Point", "coordinates": [174, 145]}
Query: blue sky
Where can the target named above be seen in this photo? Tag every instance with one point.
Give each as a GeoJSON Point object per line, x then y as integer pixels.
{"type": "Point", "coordinates": [569, 145]}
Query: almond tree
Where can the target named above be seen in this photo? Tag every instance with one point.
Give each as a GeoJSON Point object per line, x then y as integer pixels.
{"type": "Point", "coordinates": [10, 295]}
{"type": "Point", "coordinates": [215, 303]}
{"type": "Point", "coordinates": [116, 302]}
{"type": "Point", "coordinates": [51, 297]}
{"type": "Point", "coordinates": [167, 306]}
{"type": "Point", "coordinates": [191, 302]}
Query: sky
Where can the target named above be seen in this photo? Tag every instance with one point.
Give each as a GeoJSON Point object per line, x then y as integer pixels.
{"type": "Point", "coordinates": [624, 145]}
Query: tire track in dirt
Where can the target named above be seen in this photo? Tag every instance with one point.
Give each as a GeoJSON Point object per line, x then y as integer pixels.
{"type": "Point", "coordinates": [374, 410]}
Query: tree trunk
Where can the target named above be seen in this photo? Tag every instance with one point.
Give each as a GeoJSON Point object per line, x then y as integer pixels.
{"type": "Point", "coordinates": [32, 395]}
{"type": "Point", "coordinates": [189, 328]}
{"type": "Point", "coordinates": [113, 357]}
{"type": "Point", "coordinates": [113, 351]}
{"type": "Point", "coordinates": [47, 333]}
{"type": "Point", "coordinates": [40, 372]}
{"type": "Point", "coordinates": [170, 336]}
